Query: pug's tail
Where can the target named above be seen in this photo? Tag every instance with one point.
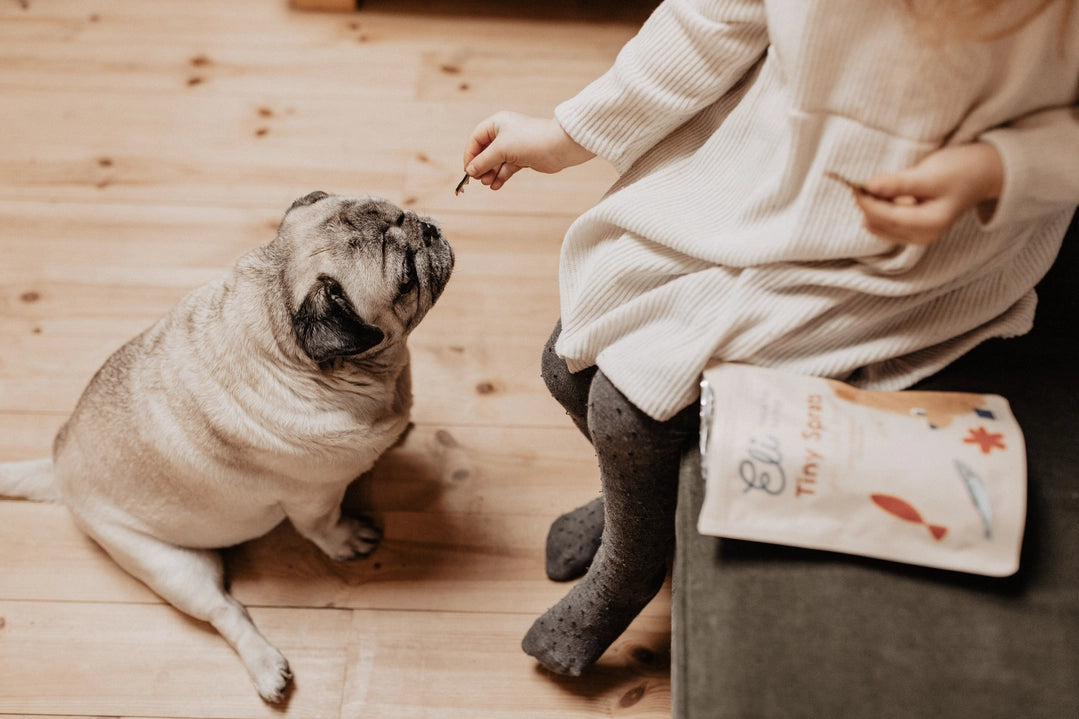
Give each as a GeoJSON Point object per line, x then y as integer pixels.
{"type": "Point", "coordinates": [32, 479]}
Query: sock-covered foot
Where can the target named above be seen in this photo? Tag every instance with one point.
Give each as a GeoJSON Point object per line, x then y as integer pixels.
{"type": "Point", "coordinates": [575, 633]}
{"type": "Point", "coordinates": [573, 540]}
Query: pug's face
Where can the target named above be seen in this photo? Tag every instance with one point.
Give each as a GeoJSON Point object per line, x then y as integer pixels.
{"type": "Point", "coordinates": [362, 273]}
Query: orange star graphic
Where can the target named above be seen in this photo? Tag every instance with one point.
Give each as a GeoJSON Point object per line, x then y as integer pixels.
{"type": "Point", "coordinates": [986, 441]}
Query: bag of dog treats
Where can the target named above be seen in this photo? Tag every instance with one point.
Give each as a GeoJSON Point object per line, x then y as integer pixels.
{"type": "Point", "coordinates": [929, 478]}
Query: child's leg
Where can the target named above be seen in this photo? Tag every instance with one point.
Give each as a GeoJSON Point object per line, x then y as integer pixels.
{"type": "Point", "coordinates": [569, 388]}
{"type": "Point", "coordinates": [574, 537]}
{"type": "Point", "coordinates": [639, 460]}
{"type": "Point", "coordinates": [573, 540]}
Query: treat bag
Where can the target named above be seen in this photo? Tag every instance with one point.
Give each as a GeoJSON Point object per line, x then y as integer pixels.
{"type": "Point", "coordinates": [930, 478]}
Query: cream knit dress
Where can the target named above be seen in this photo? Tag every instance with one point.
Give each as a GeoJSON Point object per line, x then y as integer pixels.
{"type": "Point", "coordinates": [722, 238]}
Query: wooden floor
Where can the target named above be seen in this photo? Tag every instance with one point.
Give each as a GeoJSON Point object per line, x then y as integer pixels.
{"type": "Point", "coordinates": [143, 147]}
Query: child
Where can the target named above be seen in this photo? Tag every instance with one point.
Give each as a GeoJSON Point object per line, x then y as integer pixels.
{"type": "Point", "coordinates": [734, 234]}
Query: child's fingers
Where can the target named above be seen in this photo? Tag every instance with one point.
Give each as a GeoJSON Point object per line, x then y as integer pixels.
{"type": "Point", "coordinates": [493, 165]}
{"type": "Point", "coordinates": [479, 141]}
{"type": "Point", "coordinates": [504, 173]}
{"type": "Point", "coordinates": [490, 179]}
{"type": "Point", "coordinates": [498, 177]}
{"type": "Point", "coordinates": [488, 160]}
{"type": "Point", "coordinates": [908, 222]}
{"type": "Point", "coordinates": [902, 184]}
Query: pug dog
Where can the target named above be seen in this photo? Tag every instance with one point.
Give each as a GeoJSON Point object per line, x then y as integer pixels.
{"type": "Point", "coordinates": [259, 397]}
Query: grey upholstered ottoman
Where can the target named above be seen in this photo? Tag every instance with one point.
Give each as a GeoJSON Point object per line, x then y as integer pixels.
{"type": "Point", "coordinates": [775, 632]}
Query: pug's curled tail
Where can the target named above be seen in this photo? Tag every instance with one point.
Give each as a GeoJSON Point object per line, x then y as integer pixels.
{"type": "Point", "coordinates": [32, 479]}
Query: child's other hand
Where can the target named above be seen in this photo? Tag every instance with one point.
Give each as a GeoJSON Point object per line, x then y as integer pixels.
{"type": "Point", "coordinates": [918, 205]}
{"type": "Point", "coordinates": [507, 142]}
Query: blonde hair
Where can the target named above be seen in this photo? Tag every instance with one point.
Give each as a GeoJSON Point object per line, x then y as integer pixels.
{"type": "Point", "coordinates": [944, 20]}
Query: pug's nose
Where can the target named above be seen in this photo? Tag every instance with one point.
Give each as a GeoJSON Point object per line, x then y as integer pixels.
{"type": "Point", "coordinates": [429, 231]}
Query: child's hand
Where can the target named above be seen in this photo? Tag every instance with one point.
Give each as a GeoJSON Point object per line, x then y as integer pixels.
{"type": "Point", "coordinates": [918, 205]}
{"type": "Point", "coordinates": [506, 142]}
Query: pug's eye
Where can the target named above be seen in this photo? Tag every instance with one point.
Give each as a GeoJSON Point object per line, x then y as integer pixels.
{"type": "Point", "coordinates": [408, 276]}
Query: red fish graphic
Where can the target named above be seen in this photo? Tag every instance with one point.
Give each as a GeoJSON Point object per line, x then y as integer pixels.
{"type": "Point", "coordinates": [903, 509]}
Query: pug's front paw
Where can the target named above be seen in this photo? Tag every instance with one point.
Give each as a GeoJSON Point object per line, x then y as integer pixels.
{"type": "Point", "coordinates": [352, 538]}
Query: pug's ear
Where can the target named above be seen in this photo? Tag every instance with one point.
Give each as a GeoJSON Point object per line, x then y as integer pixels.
{"type": "Point", "coordinates": [308, 199]}
{"type": "Point", "coordinates": [327, 326]}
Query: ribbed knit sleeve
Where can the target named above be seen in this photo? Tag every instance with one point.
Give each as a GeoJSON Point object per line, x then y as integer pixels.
{"type": "Point", "coordinates": [685, 57]}
{"type": "Point", "coordinates": [1040, 154]}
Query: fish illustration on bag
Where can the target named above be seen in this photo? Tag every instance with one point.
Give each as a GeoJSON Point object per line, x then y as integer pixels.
{"type": "Point", "coordinates": [906, 511]}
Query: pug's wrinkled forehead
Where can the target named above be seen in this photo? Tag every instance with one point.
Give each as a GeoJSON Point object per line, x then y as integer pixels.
{"type": "Point", "coordinates": [352, 240]}
{"type": "Point", "coordinates": [321, 221]}
{"type": "Point", "coordinates": [356, 213]}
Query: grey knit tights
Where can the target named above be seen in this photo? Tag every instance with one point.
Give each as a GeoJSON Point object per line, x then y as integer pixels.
{"type": "Point", "coordinates": [623, 539]}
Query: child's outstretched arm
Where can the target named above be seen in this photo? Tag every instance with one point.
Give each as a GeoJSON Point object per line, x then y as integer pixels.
{"type": "Point", "coordinates": [507, 142]}
{"type": "Point", "coordinates": [918, 205]}
{"type": "Point", "coordinates": [685, 56]}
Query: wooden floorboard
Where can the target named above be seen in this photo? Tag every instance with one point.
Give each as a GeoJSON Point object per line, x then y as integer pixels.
{"type": "Point", "coordinates": [150, 660]}
{"type": "Point", "coordinates": [147, 146]}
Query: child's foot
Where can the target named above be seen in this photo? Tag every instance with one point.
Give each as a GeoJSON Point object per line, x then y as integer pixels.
{"type": "Point", "coordinates": [573, 540]}
{"type": "Point", "coordinates": [575, 633]}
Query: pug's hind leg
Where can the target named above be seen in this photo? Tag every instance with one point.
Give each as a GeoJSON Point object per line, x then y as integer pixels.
{"type": "Point", "coordinates": [340, 537]}
{"type": "Point", "coordinates": [193, 581]}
